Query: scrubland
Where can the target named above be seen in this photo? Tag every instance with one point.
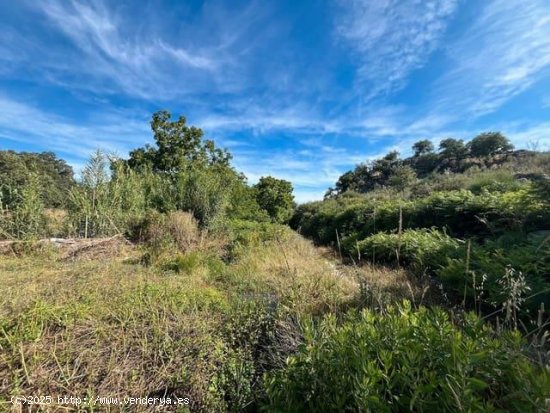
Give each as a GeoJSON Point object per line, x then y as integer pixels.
{"type": "Point", "coordinates": [420, 284]}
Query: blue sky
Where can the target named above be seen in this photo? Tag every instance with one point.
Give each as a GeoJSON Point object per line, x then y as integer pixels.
{"type": "Point", "coordinates": [301, 90]}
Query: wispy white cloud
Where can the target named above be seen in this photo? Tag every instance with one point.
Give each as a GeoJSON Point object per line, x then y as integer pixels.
{"type": "Point", "coordinates": [267, 120]}
{"type": "Point", "coordinates": [531, 135]}
{"type": "Point", "coordinates": [31, 125]}
{"type": "Point", "coordinates": [111, 48]}
{"type": "Point", "coordinates": [503, 53]}
{"type": "Point", "coordinates": [392, 38]}
{"type": "Point", "coordinates": [142, 66]}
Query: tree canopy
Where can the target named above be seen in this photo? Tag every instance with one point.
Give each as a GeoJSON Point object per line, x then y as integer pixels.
{"type": "Point", "coordinates": [391, 171]}
{"type": "Point", "coordinates": [452, 148]}
{"type": "Point", "coordinates": [489, 143]}
{"type": "Point", "coordinates": [54, 176]}
{"type": "Point", "coordinates": [275, 196]}
{"type": "Point", "coordinates": [423, 147]}
{"type": "Point", "coordinates": [177, 146]}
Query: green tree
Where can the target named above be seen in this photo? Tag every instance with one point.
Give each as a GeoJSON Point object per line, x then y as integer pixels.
{"type": "Point", "coordinates": [54, 175]}
{"type": "Point", "coordinates": [425, 164]}
{"type": "Point", "coordinates": [422, 147]}
{"type": "Point", "coordinates": [177, 146]}
{"type": "Point", "coordinates": [196, 176]}
{"type": "Point", "coordinates": [489, 143]}
{"type": "Point", "coordinates": [346, 182]}
{"type": "Point", "coordinates": [275, 196]}
{"type": "Point", "coordinates": [391, 156]}
{"type": "Point", "coordinates": [452, 148]}
{"type": "Point", "coordinates": [367, 175]}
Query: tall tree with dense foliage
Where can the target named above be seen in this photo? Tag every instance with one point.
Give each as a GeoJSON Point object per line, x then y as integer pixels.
{"type": "Point", "coordinates": [177, 147]}
{"type": "Point", "coordinates": [489, 143]}
{"type": "Point", "coordinates": [195, 175]}
{"type": "Point", "coordinates": [275, 196]}
{"type": "Point", "coordinates": [452, 148]}
{"type": "Point", "coordinates": [423, 147]}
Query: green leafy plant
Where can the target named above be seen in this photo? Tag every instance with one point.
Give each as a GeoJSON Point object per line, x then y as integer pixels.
{"type": "Point", "coordinates": [421, 249]}
{"type": "Point", "coordinates": [406, 360]}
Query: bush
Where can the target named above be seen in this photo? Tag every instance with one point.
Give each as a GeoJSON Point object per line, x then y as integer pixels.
{"type": "Point", "coordinates": [184, 263]}
{"type": "Point", "coordinates": [27, 218]}
{"type": "Point", "coordinates": [462, 213]}
{"type": "Point", "coordinates": [178, 229]}
{"type": "Point", "coordinates": [406, 361]}
{"type": "Point", "coordinates": [162, 234]}
{"type": "Point", "coordinates": [489, 262]}
{"type": "Point", "coordinates": [421, 249]}
{"type": "Point", "coordinates": [247, 234]}
{"type": "Point", "coordinates": [498, 180]}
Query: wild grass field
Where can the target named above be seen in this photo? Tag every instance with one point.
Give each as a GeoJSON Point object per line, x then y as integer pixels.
{"type": "Point", "coordinates": [193, 323]}
{"type": "Point", "coordinates": [165, 276]}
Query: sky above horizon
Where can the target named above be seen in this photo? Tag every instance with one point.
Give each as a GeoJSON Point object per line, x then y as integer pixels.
{"type": "Point", "coordinates": [300, 90]}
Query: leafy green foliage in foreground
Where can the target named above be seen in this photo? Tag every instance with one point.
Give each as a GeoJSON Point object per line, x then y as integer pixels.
{"type": "Point", "coordinates": [462, 212]}
{"type": "Point", "coordinates": [419, 249]}
{"type": "Point", "coordinates": [407, 361]}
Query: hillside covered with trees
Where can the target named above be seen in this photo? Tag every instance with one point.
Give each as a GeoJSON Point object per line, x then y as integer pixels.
{"type": "Point", "coordinates": [166, 275]}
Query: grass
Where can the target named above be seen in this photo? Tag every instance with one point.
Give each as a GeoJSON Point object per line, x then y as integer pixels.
{"type": "Point", "coordinates": [216, 320]}
{"type": "Point", "coordinates": [107, 325]}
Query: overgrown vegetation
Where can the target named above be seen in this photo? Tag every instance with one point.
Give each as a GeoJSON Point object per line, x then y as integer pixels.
{"type": "Point", "coordinates": [379, 363]}
{"type": "Point", "coordinates": [179, 280]}
{"type": "Point", "coordinates": [465, 229]}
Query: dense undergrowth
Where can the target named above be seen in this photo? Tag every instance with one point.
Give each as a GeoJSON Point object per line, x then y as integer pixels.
{"type": "Point", "coordinates": [183, 281]}
{"type": "Point", "coordinates": [251, 318]}
{"type": "Point", "coordinates": [197, 315]}
{"type": "Point", "coordinates": [405, 360]}
{"type": "Point", "coordinates": [467, 238]}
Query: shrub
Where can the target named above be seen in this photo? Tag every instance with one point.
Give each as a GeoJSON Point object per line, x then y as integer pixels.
{"type": "Point", "coordinates": [406, 361]}
{"type": "Point", "coordinates": [184, 230]}
{"type": "Point", "coordinates": [162, 234]}
{"type": "Point", "coordinates": [26, 219]}
{"type": "Point", "coordinates": [177, 228]}
{"type": "Point", "coordinates": [183, 263]}
{"type": "Point", "coordinates": [205, 193]}
{"type": "Point", "coordinates": [462, 213]}
{"type": "Point", "coordinates": [421, 249]}
{"type": "Point", "coordinates": [248, 233]}
{"type": "Point", "coordinates": [489, 262]}
{"type": "Point", "coordinates": [498, 180]}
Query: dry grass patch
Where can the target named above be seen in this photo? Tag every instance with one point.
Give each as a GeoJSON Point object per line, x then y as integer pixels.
{"type": "Point", "coordinates": [191, 323]}
{"type": "Point", "coordinates": [295, 271]}
{"type": "Point", "coordinates": [107, 328]}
